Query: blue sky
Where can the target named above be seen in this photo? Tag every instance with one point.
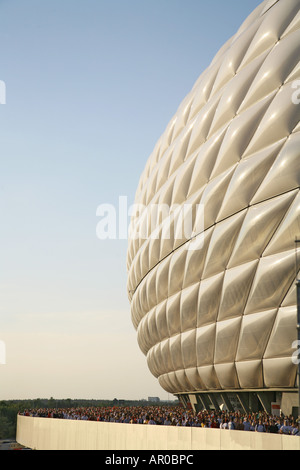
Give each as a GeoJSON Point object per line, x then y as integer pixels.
{"type": "Point", "coordinates": [90, 87]}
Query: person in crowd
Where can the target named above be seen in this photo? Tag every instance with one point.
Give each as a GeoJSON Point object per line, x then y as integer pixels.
{"type": "Point", "coordinates": [285, 428]}
{"type": "Point", "coordinates": [231, 425]}
{"type": "Point", "coordinates": [224, 424]}
{"type": "Point", "coordinates": [247, 424]}
{"type": "Point", "coordinates": [273, 428]}
{"type": "Point", "coordinates": [295, 430]}
{"type": "Point", "coordinates": [260, 427]}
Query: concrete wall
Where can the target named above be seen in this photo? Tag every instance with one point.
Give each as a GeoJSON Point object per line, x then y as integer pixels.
{"type": "Point", "coordinates": [59, 434]}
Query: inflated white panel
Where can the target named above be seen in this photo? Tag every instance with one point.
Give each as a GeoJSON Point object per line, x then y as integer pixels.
{"type": "Point", "coordinates": [250, 374]}
{"type": "Point", "coordinates": [205, 344]}
{"type": "Point", "coordinates": [227, 375]}
{"type": "Point", "coordinates": [236, 287]}
{"type": "Point", "coordinates": [283, 334]}
{"type": "Point", "coordinates": [227, 335]}
{"type": "Point", "coordinates": [254, 334]}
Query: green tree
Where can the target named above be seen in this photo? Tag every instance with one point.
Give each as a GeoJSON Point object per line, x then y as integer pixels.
{"type": "Point", "coordinates": [7, 428]}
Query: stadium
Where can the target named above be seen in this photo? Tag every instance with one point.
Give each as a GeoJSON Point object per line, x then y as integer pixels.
{"type": "Point", "coordinates": [211, 258]}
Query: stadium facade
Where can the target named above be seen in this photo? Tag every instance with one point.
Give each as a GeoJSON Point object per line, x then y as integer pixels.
{"type": "Point", "coordinates": [211, 256]}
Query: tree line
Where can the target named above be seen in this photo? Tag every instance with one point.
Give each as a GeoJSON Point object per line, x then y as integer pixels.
{"type": "Point", "coordinates": [9, 409]}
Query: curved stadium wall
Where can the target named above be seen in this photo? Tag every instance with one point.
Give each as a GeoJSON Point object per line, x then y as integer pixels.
{"type": "Point", "coordinates": [211, 254]}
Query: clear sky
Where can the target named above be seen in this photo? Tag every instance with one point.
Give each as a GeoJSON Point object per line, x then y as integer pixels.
{"type": "Point", "coordinates": [90, 87]}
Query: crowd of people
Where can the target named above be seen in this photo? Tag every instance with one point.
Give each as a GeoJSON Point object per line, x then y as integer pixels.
{"type": "Point", "coordinates": [175, 416]}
